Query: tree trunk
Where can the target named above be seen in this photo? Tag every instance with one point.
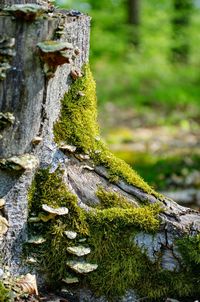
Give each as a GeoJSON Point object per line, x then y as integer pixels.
{"type": "Point", "coordinates": [133, 8]}
{"type": "Point", "coordinates": [180, 25]}
{"type": "Point", "coordinates": [51, 154]}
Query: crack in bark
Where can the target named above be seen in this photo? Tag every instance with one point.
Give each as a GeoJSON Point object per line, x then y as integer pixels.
{"type": "Point", "coordinates": [43, 107]}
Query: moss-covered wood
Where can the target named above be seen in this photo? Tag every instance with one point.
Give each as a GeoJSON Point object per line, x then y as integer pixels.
{"type": "Point", "coordinates": [126, 237]}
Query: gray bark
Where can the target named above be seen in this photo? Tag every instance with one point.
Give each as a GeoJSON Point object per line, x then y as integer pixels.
{"type": "Point", "coordinates": [33, 100]}
{"type": "Point", "coordinates": [10, 2]}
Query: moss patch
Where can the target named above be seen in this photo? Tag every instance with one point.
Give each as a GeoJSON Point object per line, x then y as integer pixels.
{"type": "Point", "coordinates": [190, 250]}
{"type": "Point", "coordinates": [48, 188]}
{"type": "Point", "coordinates": [78, 126]}
{"type": "Point", "coordinates": [109, 231]}
{"type": "Point", "coordinates": [110, 199]}
{"type": "Point", "coordinates": [4, 293]}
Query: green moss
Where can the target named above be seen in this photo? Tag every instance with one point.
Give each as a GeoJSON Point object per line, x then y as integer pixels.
{"type": "Point", "coordinates": [78, 126]}
{"type": "Point", "coordinates": [48, 188]}
{"type": "Point", "coordinates": [122, 265]}
{"type": "Point", "coordinates": [109, 231]}
{"type": "Point", "coordinates": [120, 261]}
{"type": "Point", "coordinates": [144, 218]}
{"type": "Point", "coordinates": [190, 250]}
{"type": "Point", "coordinates": [4, 293]}
{"type": "Point", "coordinates": [110, 199]}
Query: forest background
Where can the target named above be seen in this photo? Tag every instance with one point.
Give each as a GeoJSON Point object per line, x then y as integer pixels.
{"type": "Point", "coordinates": [146, 61]}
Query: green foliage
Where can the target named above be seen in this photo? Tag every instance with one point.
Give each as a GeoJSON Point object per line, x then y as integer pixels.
{"type": "Point", "coordinates": [4, 293]}
{"type": "Point", "coordinates": [144, 76]}
{"type": "Point", "coordinates": [157, 169]}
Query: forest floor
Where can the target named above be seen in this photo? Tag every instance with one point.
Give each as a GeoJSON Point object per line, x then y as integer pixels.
{"type": "Point", "coordinates": [163, 146]}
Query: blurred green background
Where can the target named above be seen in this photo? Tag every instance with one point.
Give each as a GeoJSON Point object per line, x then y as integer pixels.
{"type": "Point", "coordinates": [146, 61]}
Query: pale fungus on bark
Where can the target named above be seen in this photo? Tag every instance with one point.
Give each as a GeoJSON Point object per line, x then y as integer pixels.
{"type": "Point", "coordinates": [70, 280]}
{"type": "Point", "coordinates": [21, 162]}
{"type": "Point", "coordinates": [36, 240]}
{"type": "Point", "coordinates": [4, 225]}
{"type": "Point", "coordinates": [79, 250]}
{"type": "Point", "coordinates": [70, 234]}
{"type": "Point", "coordinates": [55, 211]}
{"type": "Point", "coordinates": [82, 267]}
{"type": "Point", "coordinates": [2, 202]}
{"type": "Point", "coordinates": [7, 52]}
{"type": "Point", "coordinates": [28, 12]}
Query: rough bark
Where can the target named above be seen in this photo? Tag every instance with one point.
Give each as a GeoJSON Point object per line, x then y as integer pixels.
{"type": "Point", "coordinates": [33, 99]}
{"type": "Point", "coordinates": [34, 102]}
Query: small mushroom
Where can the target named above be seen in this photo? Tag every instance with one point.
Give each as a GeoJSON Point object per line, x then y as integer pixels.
{"type": "Point", "coordinates": [82, 267]}
{"type": "Point", "coordinates": [66, 147]}
{"type": "Point", "coordinates": [34, 219]}
{"type": "Point", "coordinates": [77, 51]}
{"type": "Point", "coordinates": [55, 53]}
{"type": "Point", "coordinates": [28, 284]}
{"type": "Point", "coordinates": [2, 203]}
{"type": "Point", "coordinates": [36, 240]}
{"type": "Point", "coordinates": [28, 12]}
{"type": "Point", "coordinates": [70, 234]}
{"type": "Point", "coordinates": [31, 260]}
{"type": "Point", "coordinates": [87, 168]}
{"type": "Point", "coordinates": [75, 74]}
{"type": "Point", "coordinates": [6, 119]}
{"type": "Point", "coordinates": [82, 240]}
{"type": "Point", "coordinates": [80, 93]}
{"type": "Point", "coordinates": [78, 250]}
{"type": "Point", "coordinates": [4, 225]}
{"type": "Point", "coordinates": [70, 280]}
{"type": "Point", "coordinates": [21, 162]}
{"type": "Point", "coordinates": [82, 157]}
{"type": "Point", "coordinates": [36, 140]}
{"type": "Point", "coordinates": [58, 211]}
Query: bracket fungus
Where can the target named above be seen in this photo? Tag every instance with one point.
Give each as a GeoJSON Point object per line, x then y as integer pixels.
{"type": "Point", "coordinates": [6, 119]}
{"type": "Point", "coordinates": [18, 163]}
{"type": "Point", "coordinates": [70, 234]}
{"type": "Point", "coordinates": [28, 284]}
{"type": "Point", "coordinates": [55, 211]}
{"type": "Point", "coordinates": [70, 280]}
{"type": "Point", "coordinates": [75, 74]}
{"type": "Point", "coordinates": [28, 12]}
{"type": "Point", "coordinates": [65, 147]}
{"type": "Point", "coordinates": [36, 140]}
{"type": "Point", "coordinates": [2, 203]}
{"type": "Point", "coordinates": [78, 250]}
{"type": "Point", "coordinates": [36, 240]}
{"type": "Point", "coordinates": [82, 267]}
{"type": "Point", "coordinates": [3, 225]}
{"type": "Point", "coordinates": [55, 53]}
{"type": "Point", "coordinates": [6, 54]}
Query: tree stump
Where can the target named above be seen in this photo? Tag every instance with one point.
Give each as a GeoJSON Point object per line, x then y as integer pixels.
{"type": "Point", "coordinates": [101, 227]}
